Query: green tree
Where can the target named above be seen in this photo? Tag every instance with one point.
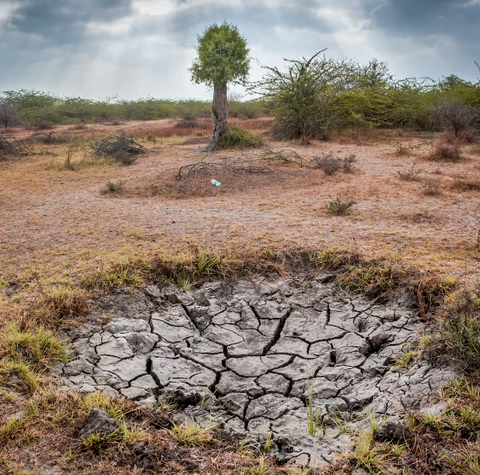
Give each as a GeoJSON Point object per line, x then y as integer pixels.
{"type": "Point", "coordinates": [222, 59]}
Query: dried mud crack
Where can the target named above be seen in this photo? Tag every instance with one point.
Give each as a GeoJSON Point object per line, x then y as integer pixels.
{"type": "Point", "coordinates": [250, 356]}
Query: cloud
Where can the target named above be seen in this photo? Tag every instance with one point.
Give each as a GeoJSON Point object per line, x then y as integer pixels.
{"type": "Point", "coordinates": [138, 47]}
{"type": "Point", "coordinates": [65, 21]}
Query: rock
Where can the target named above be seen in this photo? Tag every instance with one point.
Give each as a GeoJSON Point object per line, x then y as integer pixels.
{"type": "Point", "coordinates": [98, 422]}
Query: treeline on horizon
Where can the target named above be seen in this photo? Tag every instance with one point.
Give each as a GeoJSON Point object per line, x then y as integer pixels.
{"type": "Point", "coordinates": [309, 97]}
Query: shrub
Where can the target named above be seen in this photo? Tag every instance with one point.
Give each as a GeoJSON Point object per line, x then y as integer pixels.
{"type": "Point", "coordinates": [411, 174]}
{"type": "Point", "coordinates": [304, 96]}
{"type": "Point", "coordinates": [327, 163]}
{"type": "Point", "coordinates": [339, 207]}
{"type": "Point", "coordinates": [431, 187]}
{"type": "Point", "coordinates": [238, 137]}
{"type": "Point", "coordinates": [331, 165]}
{"type": "Point", "coordinates": [113, 186]}
{"type": "Point", "coordinates": [446, 153]}
{"type": "Point", "coordinates": [455, 114]}
{"type": "Point", "coordinates": [119, 147]}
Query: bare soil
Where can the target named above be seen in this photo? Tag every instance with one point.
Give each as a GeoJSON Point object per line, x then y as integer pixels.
{"type": "Point", "coordinates": [60, 221]}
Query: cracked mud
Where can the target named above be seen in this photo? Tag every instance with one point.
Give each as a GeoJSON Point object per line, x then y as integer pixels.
{"type": "Point", "coordinates": [249, 356]}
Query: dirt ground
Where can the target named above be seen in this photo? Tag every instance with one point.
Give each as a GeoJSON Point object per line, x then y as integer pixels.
{"type": "Point", "coordinates": [59, 223]}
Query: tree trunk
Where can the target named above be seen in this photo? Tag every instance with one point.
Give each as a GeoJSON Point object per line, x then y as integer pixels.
{"type": "Point", "coordinates": [219, 115]}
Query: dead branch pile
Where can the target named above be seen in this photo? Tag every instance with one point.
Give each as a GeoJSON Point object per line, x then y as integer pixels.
{"type": "Point", "coordinates": [238, 167]}
{"type": "Point", "coordinates": [288, 156]}
{"type": "Point", "coordinates": [43, 137]}
{"type": "Point", "coordinates": [120, 147]}
{"type": "Point", "coordinates": [49, 138]}
{"type": "Point", "coordinates": [12, 147]}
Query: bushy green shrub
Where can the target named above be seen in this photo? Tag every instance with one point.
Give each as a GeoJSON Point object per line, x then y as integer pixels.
{"type": "Point", "coordinates": [238, 137]}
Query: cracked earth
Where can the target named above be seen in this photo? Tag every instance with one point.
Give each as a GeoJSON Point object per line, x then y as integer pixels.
{"type": "Point", "coordinates": [249, 356]}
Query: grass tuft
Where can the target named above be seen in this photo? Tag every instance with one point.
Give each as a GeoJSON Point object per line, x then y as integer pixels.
{"type": "Point", "coordinates": [191, 434]}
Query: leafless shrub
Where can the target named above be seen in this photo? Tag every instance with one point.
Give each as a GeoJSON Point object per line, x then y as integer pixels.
{"type": "Point", "coordinates": [348, 162]}
{"type": "Point", "coordinates": [288, 156]}
{"type": "Point", "coordinates": [446, 153]}
{"type": "Point", "coordinates": [455, 114]}
{"type": "Point", "coordinates": [401, 149]}
{"type": "Point", "coordinates": [432, 187]}
{"type": "Point", "coordinates": [237, 167]}
{"type": "Point", "coordinates": [339, 207]}
{"type": "Point", "coordinates": [327, 163]}
{"type": "Point", "coordinates": [12, 147]}
{"type": "Point", "coordinates": [121, 148]}
{"type": "Point", "coordinates": [331, 165]}
{"type": "Point", "coordinates": [411, 174]}
{"type": "Point", "coordinates": [113, 186]}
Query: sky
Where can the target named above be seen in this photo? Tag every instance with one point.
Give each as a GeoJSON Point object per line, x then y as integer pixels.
{"type": "Point", "coordinates": [139, 48]}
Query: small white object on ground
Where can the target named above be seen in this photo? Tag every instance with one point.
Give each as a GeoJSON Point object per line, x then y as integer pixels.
{"type": "Point", "coordinates": [215, 182]}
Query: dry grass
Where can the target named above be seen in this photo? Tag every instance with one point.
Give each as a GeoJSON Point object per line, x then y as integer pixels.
{"type": "Point", "coordinates": [445, 152]}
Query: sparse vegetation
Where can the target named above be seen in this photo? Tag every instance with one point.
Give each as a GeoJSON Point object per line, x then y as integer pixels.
{"type": "Point", "coordinates": [331, 165]}
{"type": "Point", "coordinates": [411, 174]}
{"type": "Point", "coordinates": [191, 434]}
{"type": "Point", "coordinates": [444, 152]}
{"type": "Point", "coordinates": [457, 334]}
{"type": "Point", "coordinates": [113, 186]}
{"type": "Point", "coordinates": [120, 147]}
{"type": "Point", "coordinates": [431, 187]}
{"type": "Point", "coordinates": [338, 207]}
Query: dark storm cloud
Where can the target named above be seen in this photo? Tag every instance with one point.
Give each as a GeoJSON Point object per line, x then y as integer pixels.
{"type": "Point", "coordinates": [430, 17]}
{"type": "Point", "coordinates": [258, 21]}
{"type": "Point", "coordinates": [65, 20]}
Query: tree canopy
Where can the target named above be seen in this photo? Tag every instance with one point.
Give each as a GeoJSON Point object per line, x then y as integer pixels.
{"type": "Point", "coordinates": [222, 56]}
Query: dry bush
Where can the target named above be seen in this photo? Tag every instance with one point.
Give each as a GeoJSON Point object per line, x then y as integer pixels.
{"type": "Point", "coordinates": [287, 156]}
{"type": "Point", "coordinates": [331, 165]}
{"type": "Point", "coordinates": [401, 149]}
{"type": "Point", "coordinates": [13, 147]}
{"type": "Point", "coordinates": [455, 114]}
{"type": "Point", "coordinates": [338, 207]}
{"type": "Point", "coordinates": [49, 138]}
{"type": "Point", "coordinates": [444, 152]}
{"type": "Point", "coordinates": [119, 147]}
{"type": "Point", "coordinates": [466, 185]}
{"type": "Point", "coordinates": [113, 186]}
{"type": "Point", "coordinates": [432, 187]}
{"type": "Point", "coordinates": [411, 174]}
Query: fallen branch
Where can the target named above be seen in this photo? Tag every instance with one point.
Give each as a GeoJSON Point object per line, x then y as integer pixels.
{"type": "Point", "coordinates": [238, 167]}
